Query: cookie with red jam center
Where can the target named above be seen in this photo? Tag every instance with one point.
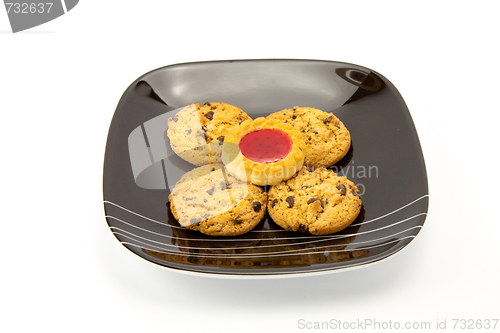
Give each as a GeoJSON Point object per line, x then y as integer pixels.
{"type": "Point", "coordinates": [263, 151]}
{"type": "Point", "coordinates": [266, 145]}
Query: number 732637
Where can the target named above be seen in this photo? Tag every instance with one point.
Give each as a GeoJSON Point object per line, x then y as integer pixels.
{"type": "Point", "coordinates": [475, 324]}
{"type": "Point", "coordinates": [28, 8]}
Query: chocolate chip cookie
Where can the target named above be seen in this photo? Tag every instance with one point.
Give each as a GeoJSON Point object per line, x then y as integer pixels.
{"type": "Point", "coordinates": [197, 132]}
{"type": "Point", "coordinates": [210, 200]}
{"type": "Point", "coordinates": [327, 138]}
{"type": "Point", "coordinates": [314, 201]}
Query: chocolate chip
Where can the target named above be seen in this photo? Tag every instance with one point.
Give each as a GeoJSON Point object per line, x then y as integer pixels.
{"type": "Point", "coordinates": [341, 188]}
{"type": "Point", "coordinates": [175, 118]}
{"type": "Point", "coordinates": [195, 221]}
{"type": "Point", "coordinates": [201, 135]}
{"type": "Point", "coordinates": [310, 201]}
{"type": "Point", "coordinates": [274, 202]}
{"type": "Point", "coordinates": [209, 115]}
{"type": "Point", "coordinates": [356, 193]}
{"type": "Point", "coordinates": [303, 228]}
{"type": "Point", "coordinates": [224, 186]}
{"type": "Point", "coordinates": [210, 191]}
{"type": "Point", "coordinates": [257, 206]}
{"type": "Point", "coordinates": [221, 139]}
{"type": "Point", "coordinates": [189, 198]}
{"type": "Point", "coordinates": [188, 131]}
{"type": "Point", "coordinates": [315, 132]}
{"type": "Point", "coordinates": [213, 108]}
{"type": "Point", "coordinates": [327, 120]}
{"type": "Point", "coordinates": [294, 117]}
{"type": "Point", "coordinates": [238, 220]}
{"type": "Point", "coordinates": [290, 200]}
{"type": "Point", "coordinates": [207, 103]}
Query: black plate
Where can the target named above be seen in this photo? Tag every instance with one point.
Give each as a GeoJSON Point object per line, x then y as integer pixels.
{"type": "Point", "coordinates": [385, 161]}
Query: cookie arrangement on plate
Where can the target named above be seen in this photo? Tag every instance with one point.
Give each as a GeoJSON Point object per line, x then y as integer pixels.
{"type": "Point", "coordinates": [236, 156]}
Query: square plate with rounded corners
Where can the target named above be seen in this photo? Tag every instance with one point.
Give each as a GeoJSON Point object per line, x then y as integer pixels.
{"type": "Point", "coordinates": [385, 161]}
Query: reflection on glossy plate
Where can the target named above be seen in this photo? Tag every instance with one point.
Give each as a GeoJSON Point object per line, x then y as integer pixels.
{"type": "Point", "coordinates": [385, 161]}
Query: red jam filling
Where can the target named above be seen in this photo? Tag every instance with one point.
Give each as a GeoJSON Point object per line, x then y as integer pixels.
{"type": "Point", "coordinates": [266, 146]}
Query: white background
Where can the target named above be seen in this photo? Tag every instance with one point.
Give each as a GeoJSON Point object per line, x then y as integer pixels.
{"type": "Point", "coordinates": [63, 271]}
